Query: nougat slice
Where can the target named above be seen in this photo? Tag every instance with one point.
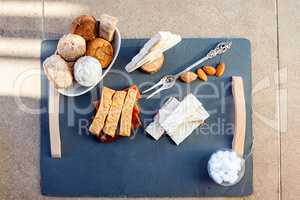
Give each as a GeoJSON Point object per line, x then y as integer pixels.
{"type": "Point", "coordinates": [114, 113]}
{"type": "Point", "coordinates": [103, 109]}
{"type": "Point", "coordinates": [126, 117]}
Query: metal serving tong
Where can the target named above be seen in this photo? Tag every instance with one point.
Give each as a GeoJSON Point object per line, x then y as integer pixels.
{"type": "Point", "coordinates": [168, 81]}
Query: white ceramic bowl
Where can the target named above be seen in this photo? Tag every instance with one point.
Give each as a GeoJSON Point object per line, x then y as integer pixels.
{"type": "Point", "coordinates": [76, 89]}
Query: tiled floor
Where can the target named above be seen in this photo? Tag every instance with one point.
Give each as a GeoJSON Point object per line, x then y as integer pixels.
{"type": "Point", "coordinates": [273, 27]}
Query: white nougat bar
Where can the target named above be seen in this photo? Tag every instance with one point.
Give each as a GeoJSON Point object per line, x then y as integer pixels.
{"type": "Point", "coordinates": [154, 128]}
{"type": "Point", "coordinates": [184, 119]}
{"type": "Point", "coordinates": [102, 112]}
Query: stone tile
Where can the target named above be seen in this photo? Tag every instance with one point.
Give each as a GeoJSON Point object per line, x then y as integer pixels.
{"type": "Point", "coordinates": [289, 42]}
{"type": "Point", "coordinates": [142, 19]}
{"type": "Point", "coordinates": [20, 40]}
{"type": "Point", "coordinates": [19, 149]}
{"type": "Point", "coordinates": [21, 19]}
{"type": "Point", "coordinates": [59, 14]}
{"type": "Point", "coordinates": [19, 130]}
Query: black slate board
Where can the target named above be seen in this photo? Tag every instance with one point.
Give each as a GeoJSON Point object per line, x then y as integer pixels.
{"type": "Point", "coordinates": [140, 166]}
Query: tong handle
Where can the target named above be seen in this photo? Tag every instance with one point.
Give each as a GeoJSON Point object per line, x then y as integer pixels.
{"type": "Point", "coordinates": [53, 109]}
{"type": "Point", "coordinates": [238, 142]}
{"type": "Point", "coordinates": [221, 48]}
{"type": "Point", "coordinates": [191, 66]}
{"type": "Point", "coordinates": [157, 91]}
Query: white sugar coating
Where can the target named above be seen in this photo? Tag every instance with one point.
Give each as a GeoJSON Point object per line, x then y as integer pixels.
{"type": "Point", "coordinates": [219, 154]}
{"type": "Point", "coordinates": [227, 154]}
{"type": "Point", "coordinates": [87, 71]}
{"type": "Point", "coordinates": [236, 165]}
{"type": "Point", "coordinates": [213, 158]}
{"type": "Point", "coordinates": [232, 174]}
{"type": "Point", "coordinates": [224, 166]}
{"type": "Point", "coordinates": [221, 173]}
{"type": "Point", "coordinates": [215, 166]}
{"type": "Point", "coordinates": [233, 156]}
{"type": "Point", "coordinates": [217, 178]}
{"type": "Point", "coordinates": [226, 178]}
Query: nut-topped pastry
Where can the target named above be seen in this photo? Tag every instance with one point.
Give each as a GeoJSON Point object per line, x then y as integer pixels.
{"type": "Point", "coordinates": [71, 46]}
{"type": "Point", "coordinates": [85, 26]}
{"type": "Point", "coordinates": [102, 50]}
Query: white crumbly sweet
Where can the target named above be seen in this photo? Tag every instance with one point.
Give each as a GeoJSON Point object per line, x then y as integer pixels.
{"type": "Point", "coordinates": [166, 40]}
{"type": "Point", "coordinates": [178, 119]}
{"type": "Point", "coordinates": [57, 71]}
{"type": "Point", "coordinates": [87, 71]}
{"type": "Point", "coordinates": [225, 166]}
{"type": "Point", "coordinates": [183, 131]}
{"type": "Point", "coordinates": [154, 128]}
{"type": "Point", "coordinates": [190, 109]}
{"type": "Point", "coordinates": [188, 116]}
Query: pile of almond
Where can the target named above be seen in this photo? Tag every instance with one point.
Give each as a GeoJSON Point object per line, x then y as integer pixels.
{"type": "Point", "coordinates": [203, 72]}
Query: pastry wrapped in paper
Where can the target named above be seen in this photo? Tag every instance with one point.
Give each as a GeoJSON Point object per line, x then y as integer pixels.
{"type": "Point", "coordinates": [107, 27]}
{"type": "Point", "coordinates": [162, 42]}
{"type": "Point", "coordinates": [160, 47]}
{"type": "Point", "coordinates": [156, 64]}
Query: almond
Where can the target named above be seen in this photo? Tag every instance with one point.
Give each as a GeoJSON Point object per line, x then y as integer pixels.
{"type": "Point", "coordinates": [188, 77]}
{"type": "Point", "coordinates": [209, 70]}
{"type": "Point", "coordinates": [201, 74]}
{"type": "Point", "coordinates": [220, 69]}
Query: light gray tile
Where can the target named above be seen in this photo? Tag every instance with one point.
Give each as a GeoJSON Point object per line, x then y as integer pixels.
{"type": "Point", "coordinates": [289, 42]}
{"type": "Point", "coordinates": [22, 19]}
{"type": "Point", "coordinates": [20, 39]}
